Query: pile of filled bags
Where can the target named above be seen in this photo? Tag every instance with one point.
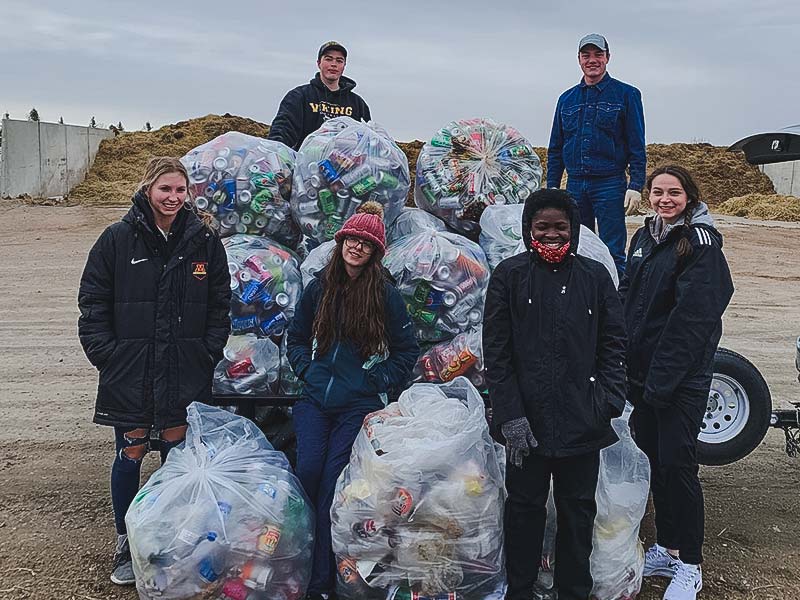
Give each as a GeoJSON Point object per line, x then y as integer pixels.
{"type": "Point", "coordinates": [224, 517]}
{"type": "Point", "coordinates": [418, 511]}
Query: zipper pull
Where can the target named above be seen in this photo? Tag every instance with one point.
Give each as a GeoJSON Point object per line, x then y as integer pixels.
{"type": "Point", "coordinates": [563, 289]}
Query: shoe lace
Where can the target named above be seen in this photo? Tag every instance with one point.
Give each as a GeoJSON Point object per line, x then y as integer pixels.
{"type": "Point", "coordinates": [653, 554]}
{"type": "Point", "coordinates": [122, 557]}
{"type": "Point", "coordinates": [685, 576]}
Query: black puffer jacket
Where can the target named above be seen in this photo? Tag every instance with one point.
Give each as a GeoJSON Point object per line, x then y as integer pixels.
{"type": "Point", "coordinates": [154, 317]}
{"type": "Point", "coordinates": [306, 107]}
{"type": "Point", "coordinates": [554, 347]}
{"type": "Point", "coordinates": [673, 308]}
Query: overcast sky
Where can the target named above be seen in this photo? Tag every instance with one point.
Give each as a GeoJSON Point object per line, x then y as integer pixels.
{"type": "Point", "coordinates": [709, 70]}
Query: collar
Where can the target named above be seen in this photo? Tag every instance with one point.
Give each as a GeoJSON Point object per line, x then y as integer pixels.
{"type": "Point", "coordinates": [600, 85]}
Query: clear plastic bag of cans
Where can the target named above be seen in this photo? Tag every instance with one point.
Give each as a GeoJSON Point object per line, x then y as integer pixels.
{"type": "Point", "coordinates": [224, 517]}
{"type": "Point", "coordinates": [501, 237]}
{"type": "Point", "coordinates": [418, 511]}
{"type": "Point", "coordinates": [245, 182]}
{"type": "Point", "coordinates": [471, 164]}
{"type": "Point", "coordinates": [443, 278]}
{"type": "Point", "coordinates": [460, 357]}
{"type": "Point", "coordinates": [411, 221]}
{"type": "Point", "coordinates": [617, 560]}
{"type": "Point", "coordinates": [266, 286]}
{"type": "Point", "coordinates": [316, 260]}
{"type": "Point", "coordinates": [341, 165]}
{"type": "Point", "coordinates": [250, 365]}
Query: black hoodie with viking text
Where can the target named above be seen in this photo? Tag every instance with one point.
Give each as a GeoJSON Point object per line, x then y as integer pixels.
{"type": "Point", "coordinates": [306, 107]}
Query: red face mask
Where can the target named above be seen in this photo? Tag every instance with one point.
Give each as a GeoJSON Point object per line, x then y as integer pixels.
{"type": "Point", "coordinates": [548, 254]}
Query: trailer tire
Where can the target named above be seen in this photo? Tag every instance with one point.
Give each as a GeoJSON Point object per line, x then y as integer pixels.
{"type": "Point", "coordinates": [738, 411]}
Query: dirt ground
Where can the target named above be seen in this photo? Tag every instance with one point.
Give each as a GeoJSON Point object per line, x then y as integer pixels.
{"type": "Point", "coordinates": [56, 526]}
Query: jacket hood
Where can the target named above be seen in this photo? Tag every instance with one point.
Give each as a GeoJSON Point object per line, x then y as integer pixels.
{"type": "Point", "coordinates": [700, 217]}
{"type": "Point", "coordinates": [345, 84]}
{"type": "Point", "coordinates": [535, 201]}
{"type": "Point", "coordinates": [141, 215]}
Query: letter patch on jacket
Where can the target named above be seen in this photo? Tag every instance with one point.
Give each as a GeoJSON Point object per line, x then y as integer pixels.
{"type": "Point", "coordinates": [199, 270]}
{"type": "Point", "coordinates": [637, 254]}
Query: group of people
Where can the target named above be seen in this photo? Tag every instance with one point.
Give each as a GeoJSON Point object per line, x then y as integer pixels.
{"type": "Point", "coordinates": [563, 349]}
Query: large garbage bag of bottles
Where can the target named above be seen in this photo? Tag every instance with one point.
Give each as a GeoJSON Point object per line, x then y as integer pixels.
{"type": "Point", "coordinates": [461, 356]}
{"type": "Point", "coordinates": [266, 286]}
{"type": "Point", "coordinates": [443, 278]}
{"type": "Point", "coordinates": [501, 237]}
{"type": "Point", "coordinates": [316, 260]}
{"type": "Point", "coordinates": [245, 182]}
{"type": "Point", "coordinates": [341, 165]}
{"type": "Point", "coordinates": [224, 517]}
{"type": "Point", "coordinates": [471, 164]}
{"type": "Point", "coordinates": [410, 221]}
{"type": "Point", "coordinates": [617, 560]}
{"type": "Point", "coordinates": [418, 511]}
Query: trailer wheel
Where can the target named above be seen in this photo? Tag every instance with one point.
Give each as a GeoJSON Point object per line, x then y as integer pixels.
{"type": "Point", "coordinates": [738, 411]}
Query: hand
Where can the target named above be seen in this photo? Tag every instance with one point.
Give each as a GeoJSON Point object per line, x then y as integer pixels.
{"type": "Point", "coordinates": [519, 440]}
{"type": "Point", "coordinates": [632, 201]}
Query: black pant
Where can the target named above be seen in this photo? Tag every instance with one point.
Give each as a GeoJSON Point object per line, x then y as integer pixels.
{"type": "Point", "coordinates": [574, 485]}
{"type": "Point", "coordinates": [668, 436]}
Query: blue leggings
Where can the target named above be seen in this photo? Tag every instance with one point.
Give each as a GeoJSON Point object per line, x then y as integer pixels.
{"type": "Point", "coordinates": [324, 441]}
{"type": "Point", "coordinates": [125, 471]}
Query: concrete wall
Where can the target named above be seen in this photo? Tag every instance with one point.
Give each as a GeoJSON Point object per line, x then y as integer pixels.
{"type": "Point", "coordinates": [785, 177]}
{"type": "Point", "coordinates": [45, 159]}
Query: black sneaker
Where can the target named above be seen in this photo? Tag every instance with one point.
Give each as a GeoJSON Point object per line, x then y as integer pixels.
{"type": "Point", "coordinates": [122, 569]}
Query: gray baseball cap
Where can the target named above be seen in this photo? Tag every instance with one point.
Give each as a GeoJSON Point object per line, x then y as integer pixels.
{"type": "Point", "coordinates": [593, 39]}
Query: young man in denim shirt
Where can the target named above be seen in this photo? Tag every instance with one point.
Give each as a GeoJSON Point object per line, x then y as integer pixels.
{"type": "Point", "coordinates": [598, 132]}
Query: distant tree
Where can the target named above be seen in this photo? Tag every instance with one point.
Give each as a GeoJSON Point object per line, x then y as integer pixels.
{"type": "Point", "coordinates": [61, 120]}
{"type": "Point", "coordinates": [148, 127]}
{"type": "Point", "coordinates": [33, 115]}
{"type": "Point", "coordinates": [120, 127]}
{"type": "Point", "coordinates": [92, 123]}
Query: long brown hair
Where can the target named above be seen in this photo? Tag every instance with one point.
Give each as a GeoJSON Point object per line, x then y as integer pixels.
{"type": "Point", "coordinates": [684, 247]}
{"type": "Point", "coordinates": [352, 309]}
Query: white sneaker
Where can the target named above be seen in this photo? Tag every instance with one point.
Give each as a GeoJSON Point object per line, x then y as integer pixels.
{"type": "Point", "coordinates": [657, 561]}
{"type": "Point", "coordinates": [687, 581]}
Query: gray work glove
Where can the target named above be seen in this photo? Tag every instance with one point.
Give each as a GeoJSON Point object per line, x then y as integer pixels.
{"type": "Point", "coordinates": [519, 440]}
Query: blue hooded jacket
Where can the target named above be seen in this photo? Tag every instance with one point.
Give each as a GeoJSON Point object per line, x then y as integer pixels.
{"type": "Point", "coordinates": [341, 379]}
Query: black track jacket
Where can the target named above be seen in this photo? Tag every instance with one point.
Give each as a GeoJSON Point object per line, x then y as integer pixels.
{"type": "Point", "coordinates": [673, 308]}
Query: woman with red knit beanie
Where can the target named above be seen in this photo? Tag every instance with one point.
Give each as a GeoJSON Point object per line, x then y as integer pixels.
{"type": "Point", "coordinates": [350, 342]}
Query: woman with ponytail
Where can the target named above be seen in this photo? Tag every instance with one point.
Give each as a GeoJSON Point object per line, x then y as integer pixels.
{"type": "Point", "coordinates": [676, 286]}
{"type": "Point", "coordinates": [351, 343]}
{"type": "Point", "coordinates": [154, 300]}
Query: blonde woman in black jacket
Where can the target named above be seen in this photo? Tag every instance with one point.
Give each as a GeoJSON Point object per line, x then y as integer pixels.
{"type": "Point", "coordinates": [154, 300]}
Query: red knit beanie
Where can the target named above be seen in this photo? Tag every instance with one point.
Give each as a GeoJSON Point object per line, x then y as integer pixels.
{"type": "Point", "coordinates": [366, 224]}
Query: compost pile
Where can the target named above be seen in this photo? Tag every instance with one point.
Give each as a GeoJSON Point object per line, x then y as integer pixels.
{"type": "Point", "coordinates": [771, 207]}
{"type": "Point", "coordinates": [120, 161]}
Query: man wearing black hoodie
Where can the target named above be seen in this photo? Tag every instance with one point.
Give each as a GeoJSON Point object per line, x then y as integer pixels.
{"type": "Point", "coordinates": [330, 94]}
{"type": "Point", "coordinates": [554, 350]}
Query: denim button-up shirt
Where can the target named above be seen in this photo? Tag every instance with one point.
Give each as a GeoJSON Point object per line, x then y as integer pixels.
{"type": "Point", "coordinates": [598, 131]}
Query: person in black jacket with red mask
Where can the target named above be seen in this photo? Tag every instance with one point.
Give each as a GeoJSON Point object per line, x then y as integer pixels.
{"type": "Point", "coordinates": [154, 300]}
{"type": "Point", "coordinates": [676, 286]}
{"type": "Point", "coordinates": [554, 350]}
{"type": "Point", "coordinates": [330, 94]}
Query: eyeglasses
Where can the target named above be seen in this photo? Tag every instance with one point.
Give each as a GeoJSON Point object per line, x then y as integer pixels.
{"type": "Point", "coordinates": [363, 245]}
